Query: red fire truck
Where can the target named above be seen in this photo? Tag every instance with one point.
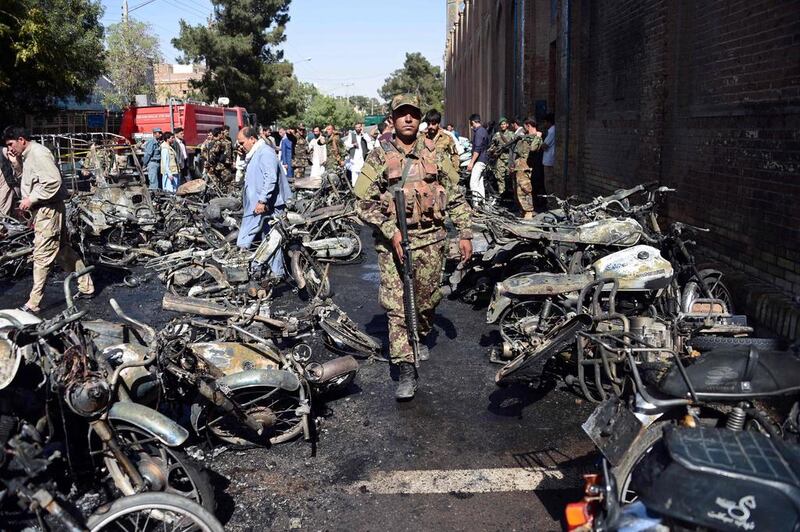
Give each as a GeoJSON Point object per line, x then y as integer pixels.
{"type": "Point", "coordinates": [197, 119]}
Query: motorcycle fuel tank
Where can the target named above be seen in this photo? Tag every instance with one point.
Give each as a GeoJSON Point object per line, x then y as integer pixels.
{"type": "Point", "coordinates": [610, 232]}
{"type": "Point", "coordinates": [636, 268]}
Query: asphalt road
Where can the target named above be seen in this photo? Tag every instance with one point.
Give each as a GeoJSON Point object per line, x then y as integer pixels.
{"type": "Point", "coordinates": [463, 455]}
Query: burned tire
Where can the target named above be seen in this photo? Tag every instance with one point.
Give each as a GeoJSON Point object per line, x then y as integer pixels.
{"type": "Point", "coordinates": [145, 511]}
{"type": "Point", "coordinates": [707, 343]}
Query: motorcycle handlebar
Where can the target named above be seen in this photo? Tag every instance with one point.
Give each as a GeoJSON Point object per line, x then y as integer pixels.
{"type": "Point", "coordinates": [68, 285]}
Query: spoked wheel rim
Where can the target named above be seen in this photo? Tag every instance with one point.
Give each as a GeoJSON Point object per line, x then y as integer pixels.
{"type": "Point", "coordinates": [161, 466]}
{"type": "Point", "coordinates": [317, 282]}
{"type": "Point", "coordinates": [147, 512]}
{"type": "Point", "coordinates": [343, 331]}
{"type": "Point", "coordinates": [197, 287]}
{"type": "Point", "coordinates": [512, 317]}
{"type": "Point", "coordinates": [279, 412]}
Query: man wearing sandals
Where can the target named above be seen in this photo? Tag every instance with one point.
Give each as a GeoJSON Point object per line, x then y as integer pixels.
{"type": "Point", "coordinates": [43, 193]}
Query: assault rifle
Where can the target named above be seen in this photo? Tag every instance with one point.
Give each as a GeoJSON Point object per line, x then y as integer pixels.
{"type": "Point", "coordinates": [409, 297]}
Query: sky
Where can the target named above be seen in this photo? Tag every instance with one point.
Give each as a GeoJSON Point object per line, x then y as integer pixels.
{"type": "Point", "coordinates": [344, 47]}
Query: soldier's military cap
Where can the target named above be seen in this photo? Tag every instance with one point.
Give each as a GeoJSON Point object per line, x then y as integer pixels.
{"type": "Point", "coordinates": [405, 99]}
{"type": "Point", "coordinates": [502, 119]}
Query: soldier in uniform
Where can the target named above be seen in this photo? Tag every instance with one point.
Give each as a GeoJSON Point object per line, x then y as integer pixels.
{"type": "Point", "coordinates": [43, 193]}
{"type": "Point", "coordinates": [499, 150]}
{"type": "Point", "coordinates": [410, 162]}
{"type": "Point", "coordinates": [524, 154]}
{"type": "Point", "coordinates": [333, 140]}
{"type": "Point", "coordinates": [443, 142]}
{"type": "Point", "coordinates": [219, 160]}
{"type": "Point", "coordinates": [300, 160]}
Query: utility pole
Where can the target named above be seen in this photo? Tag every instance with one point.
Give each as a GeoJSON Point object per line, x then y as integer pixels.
{"type": "Point", "coordinates": [125, 11]}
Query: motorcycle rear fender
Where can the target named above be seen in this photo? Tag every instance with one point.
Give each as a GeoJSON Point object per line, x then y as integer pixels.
{"type": "Point", "coordinates": [158, 425]}
{"type": "Point", "coordinates": [497, 306]}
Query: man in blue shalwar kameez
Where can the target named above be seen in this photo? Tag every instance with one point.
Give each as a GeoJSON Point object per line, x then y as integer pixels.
{"type": "Point", "coordinates": [266, 190]}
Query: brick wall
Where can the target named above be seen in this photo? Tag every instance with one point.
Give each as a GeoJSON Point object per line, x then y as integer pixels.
{"type": "Point", "coordinates": [701, 96]}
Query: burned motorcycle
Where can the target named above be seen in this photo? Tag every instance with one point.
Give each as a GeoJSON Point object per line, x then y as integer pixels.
{"type": "Point", "coordinates": [16, 246]}
{"type": "Point", "coordinates": [242, 392]}
{"type": "Point", "coordinates": [341, 333]}
{"type": "Point", "coordinates": [36, 487]}
{"type": "Point", "coordinates": [699, 479]}
{"type": "Point", "coordinates": [527, 306]}
{"type": "Point", "coordinates": [565, 243]}
{"type": "Point", "coordinates": [55, 379]}
{"type": "Point", "coordinates": [114, 225]}
{"type": "Point", "coordinates": [236, 276]}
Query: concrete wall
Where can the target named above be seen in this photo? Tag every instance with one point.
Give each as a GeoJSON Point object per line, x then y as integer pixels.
{"type": "Point", "coordinates": [700, 96]}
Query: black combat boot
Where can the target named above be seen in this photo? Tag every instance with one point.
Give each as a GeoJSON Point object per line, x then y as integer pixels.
{"type": "Point", "coordinates": [407, 383]}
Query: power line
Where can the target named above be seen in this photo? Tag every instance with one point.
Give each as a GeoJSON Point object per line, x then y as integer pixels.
{"type": "Point", "coordinates": [137, 6]}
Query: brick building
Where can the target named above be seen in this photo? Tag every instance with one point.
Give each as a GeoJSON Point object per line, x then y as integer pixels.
{"type": "Point", "coordinates": [700, 96]}
{"type": "Point", "coordinates": [172, 80]}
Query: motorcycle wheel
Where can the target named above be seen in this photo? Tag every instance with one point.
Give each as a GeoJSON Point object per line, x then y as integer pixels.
{"type": "Point", "coordinates": [278, 410]}
{"type": "Point", "coordinates": [510, 317]}
{"type": "Point", "coordinates": [153, 511]}
{"type": "Point", "coordinates": [317, 282]}
{"type": "Point", "coordinates": [716, 287]}
{"type": "Point", "coordinates": [342, 335]}
{"type": "Point", "coordinates": [640, 448]}
{"type": "Point", "coordinates": [169, 470]}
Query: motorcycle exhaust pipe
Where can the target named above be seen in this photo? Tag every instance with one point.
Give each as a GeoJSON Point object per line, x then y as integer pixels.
{"type": "Point", "coordinates": [508, 352]}
{"type": "Point", "coordinates": [331, 370]}
{"type": "Point", "coordinates": [297, 271]}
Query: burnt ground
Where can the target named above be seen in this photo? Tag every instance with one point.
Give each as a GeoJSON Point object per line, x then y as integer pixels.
{"type": "Point", "coordinates": [463, 454]}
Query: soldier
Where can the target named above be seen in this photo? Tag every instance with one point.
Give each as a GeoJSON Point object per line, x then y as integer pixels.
{"type": "Point", "coordinates": [332, 139]}
{"type": "Point", "coordinates": [443, 142]}
{"type": "Point", "coordinates": [410, 162]}
{"type": "Point", "coordinates": [219, 160]}
{"type": "Point", "coordinates": [524, 154]}
{"type": "Point", "coordinates": [300, 160]}
{"type": "Point", "coordinates": [499, 150]}
{"type": "Point", "coordinates": [43, 193]}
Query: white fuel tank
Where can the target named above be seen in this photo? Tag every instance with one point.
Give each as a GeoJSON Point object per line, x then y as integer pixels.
{"type": "Point", "coordinates": [636, 268]}
{"type": "Point", "coordinates": [621, 232]}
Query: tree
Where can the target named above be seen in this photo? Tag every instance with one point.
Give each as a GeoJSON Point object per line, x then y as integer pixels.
{"type": "Point", "coordinates": [52, 49]}
{"type": "Point", "coordinates": [367, 105]}
{"type": "Point", "coordinates": [132, 52]}
{"type": "Point", "coordinates": [418, 76]}
{"type": "Point", "coordinates": [326, 109]}
{"type": "Point", "coordinates": [240, 54]}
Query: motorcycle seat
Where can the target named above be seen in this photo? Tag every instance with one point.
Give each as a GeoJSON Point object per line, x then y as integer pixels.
{"type": "Point", "coordinates": [722, 480]}
{"type": "Point", "coordinates": [736, 373]}
{"type": "Point", "coordinates": [739, 454]}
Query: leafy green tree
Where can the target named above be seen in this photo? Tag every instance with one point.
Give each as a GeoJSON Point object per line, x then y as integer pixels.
{"type": "Point", "coordinates": [418, 76]}
{"type": "Point", "coordinates": [52, 49]}
{"type": "Point", "coordinates": [326, 109]}
{"type": "Point", "coordinates": [299, 96]}
{"type": "Point", "coordinates": [131, 52]}
{"type": "Point", "coordinates": [367, 105]}
{"type": "Point", "coordinates": [239, 49]}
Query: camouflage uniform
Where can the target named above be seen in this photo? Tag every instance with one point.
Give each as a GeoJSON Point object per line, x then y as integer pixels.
{"type": "Point", "coordinates": [300, 160]}
{"type": "Point", "coordinates": [524, 148]}
{"type": "Point", "coordinates": [336, 151]}
{"type": "Point", "coordinates": [430, 192]}
{"type": "Point", "coordinates": [219, 162]}
{"type": "Point", "coordinates": [445, 146]}
{"type": "Point", "coordinates": [500, 139]}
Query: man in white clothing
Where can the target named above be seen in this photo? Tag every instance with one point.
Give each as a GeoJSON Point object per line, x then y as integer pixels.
{"type": "Point", "coordinates": [358, 144]}
{"type": "Point", "coordinates": [319, 154]}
